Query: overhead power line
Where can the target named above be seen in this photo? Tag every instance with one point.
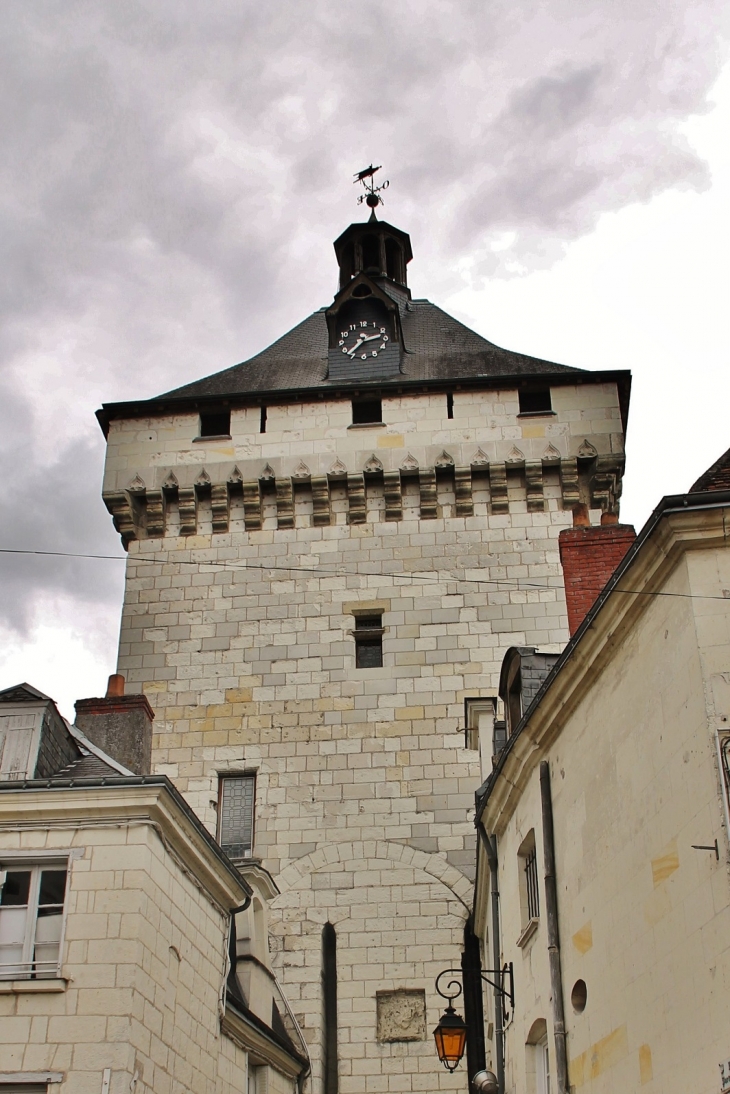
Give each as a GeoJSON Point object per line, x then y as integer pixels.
{"type": "Point", "coordinates": [517, 584]}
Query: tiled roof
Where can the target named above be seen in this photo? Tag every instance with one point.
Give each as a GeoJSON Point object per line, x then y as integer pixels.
{"type": "Point", "coordinates": [716, 477]}
{"type": "Point", "coordinates": [438, 347]}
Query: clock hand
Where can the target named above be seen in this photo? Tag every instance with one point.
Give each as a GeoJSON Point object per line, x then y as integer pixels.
{"type": "Point", "coordinates": [357, 346]}
{"type": "Point", "coordinates": [371, 337]}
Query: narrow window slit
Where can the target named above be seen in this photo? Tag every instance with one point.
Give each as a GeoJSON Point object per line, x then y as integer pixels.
{"type": "Point", "coordinates": [331, 1080]}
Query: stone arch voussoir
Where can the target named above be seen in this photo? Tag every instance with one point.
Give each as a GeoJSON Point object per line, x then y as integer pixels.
{"type": "Point", "coordinates": [332, 854]}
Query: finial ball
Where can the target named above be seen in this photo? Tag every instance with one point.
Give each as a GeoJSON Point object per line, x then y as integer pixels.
{"type": "Point", "coordinates": [372, 201]}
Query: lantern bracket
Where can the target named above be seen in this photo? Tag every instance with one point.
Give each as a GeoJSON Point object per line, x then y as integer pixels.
{"type": "Point", "coordinates": [503, 981]}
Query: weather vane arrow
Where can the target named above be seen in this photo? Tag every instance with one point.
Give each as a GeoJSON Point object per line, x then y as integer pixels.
{"type": "Point", "coordinates": [372, 192]}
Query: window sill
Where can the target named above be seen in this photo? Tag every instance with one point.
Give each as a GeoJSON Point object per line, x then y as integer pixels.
{"type": "Point", "coordinates": [528, 932]}
{"type": "Point", "coordinates": [50, 983]}
{"type": "Point", "coordinates": [537, 414]}
{"type": "Point", "coordinates": [366, 425]}
{"type": "Point", "coordinates": [214, 437]}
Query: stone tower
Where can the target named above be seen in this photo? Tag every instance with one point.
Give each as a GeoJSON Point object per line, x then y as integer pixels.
{"type": "Point", "coordinates": [331, 547]}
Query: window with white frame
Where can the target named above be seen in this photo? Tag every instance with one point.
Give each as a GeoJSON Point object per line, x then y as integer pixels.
{"type": "Point", "coordinates": [529, 892]}
{"type": "Point", "coordinates": [32, 901]}
{"type": "Point", "coordinates": [542, 1067]}
{"type": "Point", "coordinates": [236, 815]}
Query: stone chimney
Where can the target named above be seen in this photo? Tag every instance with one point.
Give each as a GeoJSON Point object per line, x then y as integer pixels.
{"type": "Point", "coordinates": [119, 724]}
{"type": "Point", "coordinates": [589, 556]}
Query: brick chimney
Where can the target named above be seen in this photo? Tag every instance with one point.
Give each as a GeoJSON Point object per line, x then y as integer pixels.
{"type": "Point", "coordinates": [589, 556]}
{"type": "Point", "coordinates": [119, 724]}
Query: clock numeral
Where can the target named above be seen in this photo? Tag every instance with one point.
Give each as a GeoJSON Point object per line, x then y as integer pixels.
{"type": "Point", "coordinates": [344, 333]}
{"type": "Point", "coordinates": [382, 329]}
{"type": "Point", "coordinates": [341, 342]}
{"type": "Point", "coordinates": [363, 323]}
{"type": "Point", "coordinates": [374, 353]}
{"type": "Point", "coordinates": [364, 356]}
{"type": "Point", "coordinates": [382, 347]}
{"type": "Point", "coordinates": [353, 326]}
{"type": "Point", "coordinates": [385, 337]}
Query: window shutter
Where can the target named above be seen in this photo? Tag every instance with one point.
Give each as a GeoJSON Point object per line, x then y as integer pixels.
{"type": "Point", "coordinates": [16, 746]}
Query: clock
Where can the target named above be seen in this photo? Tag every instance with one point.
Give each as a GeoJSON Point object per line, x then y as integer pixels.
{"type": "Point", "coordinates": [363, 340]}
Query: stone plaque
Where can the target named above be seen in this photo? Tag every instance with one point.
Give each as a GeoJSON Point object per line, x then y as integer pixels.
{"type": "Point", "coordinates": [401, 1015]}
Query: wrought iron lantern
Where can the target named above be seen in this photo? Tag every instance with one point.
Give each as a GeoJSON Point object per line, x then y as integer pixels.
{"type": "Point", "coordinates": [450, 1033]}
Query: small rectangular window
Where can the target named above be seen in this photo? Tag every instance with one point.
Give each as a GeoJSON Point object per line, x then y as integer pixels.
{"type": "Point", "coordinates": [533, 898]}
{"type": "Point", "coordinates": [31, 920]}
{"type": "Point", "coordinates": [449, 405]}
{"type": "Point", "coordinates": [236, 815]}
{"type": "Point", "coordinates": [215, 423]}
{"type": "Point", "coordinates": [262, 424]}
{"type": "Point", "coordinates": [528, 885]}
{"type": "Point", "coordinates": [368, 641]}
{"type": "Point", "coordinates": [536, 401]}
{"type": "Point", "coordinates": [367, 411]}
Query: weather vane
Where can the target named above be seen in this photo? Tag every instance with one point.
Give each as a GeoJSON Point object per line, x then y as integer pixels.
{"type": "Point", "coordinates": [372, 192]}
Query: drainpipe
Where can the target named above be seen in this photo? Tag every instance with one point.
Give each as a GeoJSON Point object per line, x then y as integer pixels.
{"type": "Point", "coordinates": [490, 846]}
{"type": "Point", "coordinates": [553, 934]}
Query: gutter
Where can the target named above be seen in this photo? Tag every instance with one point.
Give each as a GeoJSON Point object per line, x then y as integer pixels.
{"type": "Point", "coordinates": [672, 503]}
{"type": "Point", "coordinates": [490, 847]}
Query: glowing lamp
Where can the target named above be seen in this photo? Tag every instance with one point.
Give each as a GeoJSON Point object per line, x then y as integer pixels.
{"type": "Point", "coordinates": [450, 1038]}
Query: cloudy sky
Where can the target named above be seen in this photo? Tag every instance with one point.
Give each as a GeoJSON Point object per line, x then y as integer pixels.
{"type": "Point", "coordinates": [173, 175]}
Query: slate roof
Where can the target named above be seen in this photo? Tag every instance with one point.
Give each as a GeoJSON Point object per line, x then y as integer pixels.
{"type": "Point", "coordinates": [716, 477]}
{"type": "Point", "coordinates": [23, 693]}
{"type": "Point", "coordinates": [87, 767]}
{"type": "Point", "coordinates": [438, 347]}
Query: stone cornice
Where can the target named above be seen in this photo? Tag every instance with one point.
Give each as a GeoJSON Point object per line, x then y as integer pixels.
{"type": "Point", "coordinates": [124, 801]}
{"type": "Point", "coordinates": [140, 508]}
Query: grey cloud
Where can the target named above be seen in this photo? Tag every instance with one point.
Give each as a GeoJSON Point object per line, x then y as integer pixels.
{"type": "Point", "coordinates": [174, 174]}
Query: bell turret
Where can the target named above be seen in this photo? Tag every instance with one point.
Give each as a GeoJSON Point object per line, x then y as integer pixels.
{"type": "Point", "coordinates": [376, 249]}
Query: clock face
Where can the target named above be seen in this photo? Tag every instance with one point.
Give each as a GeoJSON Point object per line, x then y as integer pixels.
{"type": "Point", "coordinates": [363, 340]}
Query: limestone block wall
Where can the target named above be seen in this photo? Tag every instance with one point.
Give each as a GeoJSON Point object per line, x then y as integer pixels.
{"type": "Point", "coordinates": [143, 964]}
{"type": "Point", "coordinates": [242, 589]}
{"type": "Point", "coordinates": [312, 464]}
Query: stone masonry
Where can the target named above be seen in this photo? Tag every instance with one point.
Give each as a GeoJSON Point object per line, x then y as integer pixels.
{"type": "Point", "coordinates": [249, 559]}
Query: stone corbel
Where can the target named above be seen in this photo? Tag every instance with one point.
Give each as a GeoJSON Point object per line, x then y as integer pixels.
{"type": "Point", "coordinates": [393, 495]}
{"type": "Point", "coordinates": [187, 503]}
{"type": "Point", "coordinates": [569, 486]}
{"type": "Point", "coordinates": [356, 511]}
{"type": "Point", "coordinates": [155, 513]}
{"type": "Point", "coordinates": [252, 506]}
{"type": "Point", "coordinates": [321, 514]}
{"type": "Point", "coordinates": [498, 494]}
{"type": "Point", "coordinates": [462, 490]}
{"type": "Point", "coordinates": [120, 507]}
{"type": "Point", "coordinates": [534, 485]}
{"type": "Point", "coordinates": [284, 504]}
{"type": "Point", "coordinates": [427, 487]}
{"type": "Point", "coordinates": [606, 483]}
{"type": "Point", "coordinates": [220, 506]}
